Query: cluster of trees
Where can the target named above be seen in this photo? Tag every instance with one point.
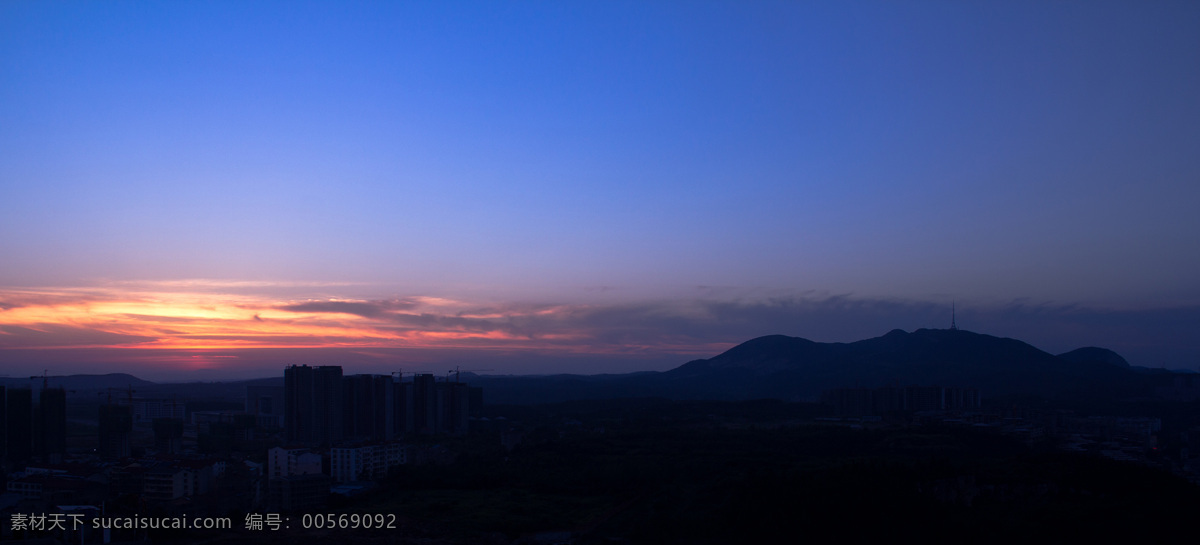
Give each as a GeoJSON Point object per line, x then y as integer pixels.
{"type": "Point", "coordinates": [697, 472]}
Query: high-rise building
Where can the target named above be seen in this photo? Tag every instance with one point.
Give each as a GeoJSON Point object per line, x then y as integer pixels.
{"type": "Point", "coordinates": [51, 432]}
{"type": "Point", "coordinates": [298, 403]}
{"type": "Point", "coordinates": [146, 410]}
{"type": "Point", "coordinates": [424, 404]}
{"type": "Point", "coordinates": [313, 403]}
{"type": "Point", "coordinates": [891, 399]}
{"type": "Point", "coordinates": [266, 403]}
{"type": "Point", "coordinates": [3, 428]}
{"type": "Point", "coordinates": [402, 409]}
{"type": "Point", "coordinates": [925, 398]}
{"type": "Point", "coordinates": [368, 409]}
{"type": "Point", "coordinates": [327, 401]}
{"type": "Point", "coordinates": [428, 407]}
{"type": "Point", "coordinates": [168, 435]}
{"type": "Point", "coordinates": [19, 425]}
{"type": "Point", "coordinates": [849, 401]}
{"type": "Point", "coordinates": [475, 400]}
{"type": "Point", "coordinates": [116, 421]}
{"type": "Point", "coordinates": [453, 408]}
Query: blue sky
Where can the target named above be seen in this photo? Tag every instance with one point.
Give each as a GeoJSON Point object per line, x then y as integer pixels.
{"type": "Point", "coordinates": [616, 155]}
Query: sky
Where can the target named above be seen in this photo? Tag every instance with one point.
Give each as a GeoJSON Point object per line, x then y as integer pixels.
{"type": "Point", "coordinates": [205, 190]}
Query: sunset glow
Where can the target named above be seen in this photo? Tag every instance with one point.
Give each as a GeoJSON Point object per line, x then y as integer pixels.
{"type": "Point", "coordinates": [198, 316]}
{"type": "Point", "coordinates": [588, 187]}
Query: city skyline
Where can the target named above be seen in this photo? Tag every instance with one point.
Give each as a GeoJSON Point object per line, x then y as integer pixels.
{"type": "Point", "coordinates": [216, 190]}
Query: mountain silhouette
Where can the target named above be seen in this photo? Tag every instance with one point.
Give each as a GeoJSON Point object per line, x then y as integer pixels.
{"type": "Point", "coordinates": [797, 369]}
{"type": "Point", "coordinates": [118, 381]}
{"type": "Point", "coordinates": [791, 369]}
{"type": "Point", "coordinates": [794, 368]}
{"type": "Point", "coordinates": [1095, 355]}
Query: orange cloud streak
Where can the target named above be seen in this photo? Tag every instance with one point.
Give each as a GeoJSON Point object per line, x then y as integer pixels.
{"type": "Point", "coordinates": [200, 315]}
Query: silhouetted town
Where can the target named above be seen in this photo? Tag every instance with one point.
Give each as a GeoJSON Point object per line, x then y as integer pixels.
{"type": "Point", "coordinates": [286, 450]}
{"type": "Point", "coordinates": [426, 451]}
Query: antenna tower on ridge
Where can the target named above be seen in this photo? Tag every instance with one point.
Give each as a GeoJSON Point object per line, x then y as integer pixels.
{"type": "Point", "coordinates": [953, 325]}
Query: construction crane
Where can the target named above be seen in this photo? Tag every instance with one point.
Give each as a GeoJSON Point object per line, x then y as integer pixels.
{"type": "Point", "coordinates": [45, 378]}
{"type": "Point", "coordinates": [456, 372]}
{"type": "Point", "coordinates": [128, 390]}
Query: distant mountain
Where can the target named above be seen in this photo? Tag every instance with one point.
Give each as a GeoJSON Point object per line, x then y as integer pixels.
{"type": "Point", "coordinates": [232, 391]}
{"type": "Point", "coordinates": [780, 367]}
{"type": "Point", "coordinates": [793, 368]}
{"type": "Point", "coordinates": [79, 382]}
{"type": "Point", "coordinates": [1095, 355]}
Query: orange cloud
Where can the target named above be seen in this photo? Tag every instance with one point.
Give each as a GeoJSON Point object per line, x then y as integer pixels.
{"type": "Point", "coordinates": [226, 326]}
{"type": "Point", "coordinates": [198, 315]}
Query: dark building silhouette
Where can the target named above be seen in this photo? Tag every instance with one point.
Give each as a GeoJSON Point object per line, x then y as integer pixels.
{"type": "Point", "coordinates": [3, 428]}
{"type": "Point", "coordinates": [890, 399]}
{"type": "Point", "coordinates": [424, 404]}
{"type": "Point", "coordinates": [850, 401]}
{"type": "Point", "coordinates": [454, 402]}
{"type": "Point", "coordinates": [938, 398]}
{"type": "Point", "coordinates": [313, 404]}
{"type": "Point", "coordinates": [51, 431]}
{"type": "Point", "coordinates": [116, 422]}
{"type": "Point", "coordinates": [402, 408]}
{"type": "Point", "coordinates": [19, 426]}
{"type": "Point", "coordinates": [428, 407]}
{"type": "Point", "coordinates": [961, 398]}
{"type": "Point", "coordinates": [225, 432]}
{"type": "Point", "coordinates": [168, 435]}
{"type": "Point", "coordinates": [368, 407]}
{"type": "Point", "coordinates": [925, 398]}
{"type": "Point", "coordinates": [327, 401]}
{"type": "Point", "coordinates": [475, 404]}
{"type": "Point", "coordinates": [266, 403]}
{"type": "Point", "coordinates": [298, 416]}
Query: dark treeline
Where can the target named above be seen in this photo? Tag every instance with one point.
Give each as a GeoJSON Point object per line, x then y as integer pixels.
{"type": "Point", "coordinates": [655, 471]}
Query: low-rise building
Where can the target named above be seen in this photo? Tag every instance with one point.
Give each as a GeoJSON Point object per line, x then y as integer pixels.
{"type": "Point", "coordinates": [284, 462]}
{"type": "Point", "coordinates": [366, 462]}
